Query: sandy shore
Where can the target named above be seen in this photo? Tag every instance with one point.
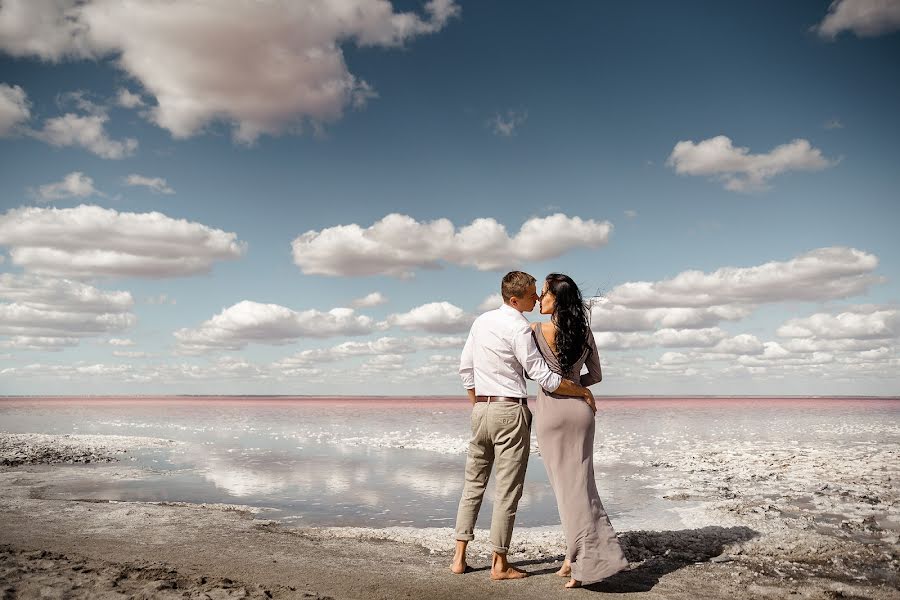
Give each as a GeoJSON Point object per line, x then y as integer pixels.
{"type": "Point", "coordinates": [77, 548]}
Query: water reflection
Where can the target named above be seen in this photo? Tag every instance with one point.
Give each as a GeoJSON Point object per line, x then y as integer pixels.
{"type": "Point", "coordinates": [378, 463]}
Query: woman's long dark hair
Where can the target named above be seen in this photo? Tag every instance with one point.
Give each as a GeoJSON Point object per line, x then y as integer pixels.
{"type": "Point", "coordinates": [570, 316]}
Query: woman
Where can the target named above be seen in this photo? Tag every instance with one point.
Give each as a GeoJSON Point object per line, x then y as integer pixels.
{"type": "Point", "coordinates": [565, 435]}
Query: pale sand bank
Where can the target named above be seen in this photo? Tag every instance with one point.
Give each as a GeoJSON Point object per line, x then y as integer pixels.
{"type": "Point", "coordinates": [95, 549]}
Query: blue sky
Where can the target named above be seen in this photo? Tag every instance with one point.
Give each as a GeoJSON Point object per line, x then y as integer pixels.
{"type": "Point", "coordinates": [197, 201]}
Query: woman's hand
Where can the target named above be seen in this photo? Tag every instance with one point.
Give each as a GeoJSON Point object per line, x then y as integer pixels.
{"type": "Point", "coordinates": [589, 398]}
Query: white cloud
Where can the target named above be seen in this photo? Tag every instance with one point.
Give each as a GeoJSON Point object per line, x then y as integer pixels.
{"type": "Point", "coordinates": [490, 303]}
{"type": "Point", "coordinates": [273, 324]}
{"type": "Point", "coordinates": [383, 345]}
{"type": "Point", "coordinates": [607, 316]}
{"type": "Point", "coordinates": [266, 66]}
{"type": "Point", "coordinates": [740, 344]}
{"type": "Point", "coordinates": [75, 184]}
{"type": "Point", "coordinates": [505, 124]}
{"type": "Point", "coordinates": [613, 340]}
{"type": "Point", "coordinates": [846, 325]}
{"type": "Point", "coordinates": [89, 241]}
{"type": "Point", "coordinates": [821, 274]}
{"type": "Point", "coordinates": [740, 170]}
{"type": "Point", "coordinates": [398, 244]}
{"type": "Point", "coordinates": [81, 100]}
{"type": "Point", "coordinates": [127, 99]}
{"type": "Point", "coordinates": [689, 338]}
{"type": "Point", "coordinates": [631, 214]}
{"type": "Point", "coordinates": [85, 131]}
{"type": "Point", "coordinates": [435, 317]}
{"type": "Point", "coordinates": [120, 342]}
{"type": "Point", "coordinates": [51, 313]}
{"type": "Point", "coordinates": [49, 30]}
{"type": "Point", "coordinates": [41, 343]}
{"type": "Point", "coordinates": [865, 18]}
{"type": "Point", "coordinates": [373, 299]}
{"type": "Point", "coordinates": [383, 364]}
{"type": "Point", "coordinates": [14, 108]}
{"type": "Point", "coordinates": [156, 184]}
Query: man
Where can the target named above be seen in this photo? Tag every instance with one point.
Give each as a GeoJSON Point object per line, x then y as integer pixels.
{"type": "Point", "coordinates": [499, 352]}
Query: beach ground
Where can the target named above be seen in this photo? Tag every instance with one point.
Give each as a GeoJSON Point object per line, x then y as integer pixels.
{"type": "Point", "coordinates": [84, 548]}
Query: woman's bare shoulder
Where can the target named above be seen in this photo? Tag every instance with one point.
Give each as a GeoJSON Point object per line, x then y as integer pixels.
{"type": "Point", "coordinates": [534, 326]}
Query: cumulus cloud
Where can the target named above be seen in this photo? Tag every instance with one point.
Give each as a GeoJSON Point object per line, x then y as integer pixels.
{"type": "Point", "coordinates": [490, 303]}
{"type": "Point", "coordinates": [865, 18]}
{"type": "Point", "coordinates": [435, 317]}
{"type": "Point", "coordinates": [128, 99]}
{"type": "Point", "coordinates": [267, 66]}
{"type": "Point", "coordinates": [373, 299]}
{"type": "Point", "coordinates": [14, 109]}
{"type": "Point", "coordinates": [47, 29]}
{"type": "Point", "coordinates": [505, 124]}
{"type": "Point", "coordinates": [669, 338]}
{"type": "Point", "coordinates": [87, 131]}
{"type": "Point", "coordinates": [46, 313]}
{"type": "Point", "coordinates": [73, 185]}
{"type": "Point", "coordinates": [608, 316]}
{"type": "Point", "coordinates": [90, 241]}
{"type": "Point", "coordinates": [248, 321]}
{"type": "Point", "coordinates": [744, 343]}
{"type": "Point", "coordinates": [156, 184]}
{"type": "Point", "coordinates": [684, 311]}
{"type": "Point", "coordinates": [398, 244]}
{"type": "Point", "coordinates": [846, 325]}
{"type": "Point", "coordinates": [821, 274]}
{"type": "Point", "coordinates": [740, 170]}
{"type": "Point", "coordinates": [120, 342]}
{"type": "Point", "coordinates": [383, 345]}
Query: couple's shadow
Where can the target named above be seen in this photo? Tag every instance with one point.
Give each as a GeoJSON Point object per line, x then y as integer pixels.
{"type": "Point", "coordinates": [659, 553]}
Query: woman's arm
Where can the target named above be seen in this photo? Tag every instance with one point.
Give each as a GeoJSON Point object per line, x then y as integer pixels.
{"type": "Point", "coordinates": [594, 374]}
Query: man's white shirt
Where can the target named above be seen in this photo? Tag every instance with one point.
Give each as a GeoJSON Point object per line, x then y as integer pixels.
{"type": "Point", "coordinates": [499, 351]}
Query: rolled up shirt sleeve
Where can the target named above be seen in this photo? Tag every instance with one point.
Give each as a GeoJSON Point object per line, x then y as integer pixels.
{"type": "Point", "coordinates": [467, 364]}
{"type": "Point", "coordinates": [531, 360]}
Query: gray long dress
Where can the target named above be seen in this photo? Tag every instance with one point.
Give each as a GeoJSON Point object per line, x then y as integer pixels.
{"type": "Point", "coordinates": [565, 435]}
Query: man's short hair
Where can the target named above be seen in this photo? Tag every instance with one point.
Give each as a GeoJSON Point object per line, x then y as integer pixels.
{"type": "Point", "coordinates": [515, 283]}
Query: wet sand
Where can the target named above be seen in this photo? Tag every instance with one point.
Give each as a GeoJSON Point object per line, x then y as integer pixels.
{"type": "Point", "coordinates": [79, 548]}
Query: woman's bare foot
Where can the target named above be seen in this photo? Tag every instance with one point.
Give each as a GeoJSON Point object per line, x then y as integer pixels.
{"type": "Point", "coordinates": [565, 570]}
{"type": "Point", "coordinates": [573, 583]}
{"type": "Point", "coordinates": [509, 573]}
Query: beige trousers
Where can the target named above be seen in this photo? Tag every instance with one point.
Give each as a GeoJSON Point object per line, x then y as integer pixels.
{"type": "Point", "coordinates": [501, 438]}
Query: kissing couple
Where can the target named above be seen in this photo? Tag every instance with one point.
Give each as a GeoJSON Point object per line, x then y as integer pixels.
{"type": "Point", "coordinates": [502, 349]}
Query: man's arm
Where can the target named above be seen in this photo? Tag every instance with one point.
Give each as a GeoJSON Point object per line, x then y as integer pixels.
{"type": "Point", "coordinates": [467, 368]}
{"type": "Point", "coordinates": [536, 367]}
{"type": "Point", "coordinates": [532, 362]}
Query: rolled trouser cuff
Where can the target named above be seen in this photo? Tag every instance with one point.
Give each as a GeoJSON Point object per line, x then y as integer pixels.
{"type": "Point", "coordinates": [500, 550]}
{"type": "Point", "coordinates": [464, 537]}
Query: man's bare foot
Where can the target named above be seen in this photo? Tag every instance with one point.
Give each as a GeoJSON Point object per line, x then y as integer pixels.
{"type": "Point", "coordinates": [565, 570]}
{"type": "Point", "coordinates": [509, 573]}
{"type": "Point", "coordinates": [459, 565]}
{"type": "Point", "coordinates": [573, 583]}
